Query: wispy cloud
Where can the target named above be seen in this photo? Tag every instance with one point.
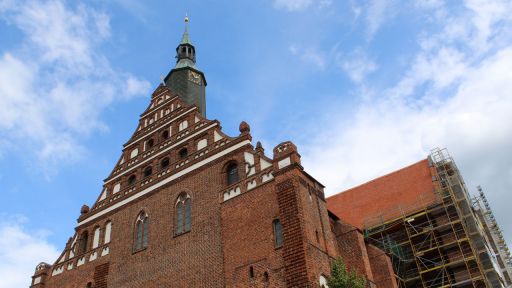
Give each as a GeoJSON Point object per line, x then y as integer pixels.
{"type": "Point", "coordinates": [309, 56]}
{"type": "Point", "coordinates": [300, 5]}
{"type": "Point", "coordinates": [55, 85]}
{"type": "Point", "coordinates": [357, 65]}
{"type": "Point", "coordinates": [21, 251]}
{"type": "Point", "coordinates": [378, 12]}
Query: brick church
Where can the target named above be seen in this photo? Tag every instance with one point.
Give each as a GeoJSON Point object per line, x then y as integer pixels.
{"type": "Point", "coordinates": [188, 206]}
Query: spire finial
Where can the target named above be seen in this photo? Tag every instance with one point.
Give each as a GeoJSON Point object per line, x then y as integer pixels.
{"type": "Point", "coordinates": [186, 21]}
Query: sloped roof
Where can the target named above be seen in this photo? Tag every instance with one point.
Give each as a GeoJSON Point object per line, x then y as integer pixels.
{"type": "Point", "coordinates": [405, 190]}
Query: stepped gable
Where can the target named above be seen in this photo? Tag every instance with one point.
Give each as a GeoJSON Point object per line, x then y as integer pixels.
{"type": "Point", "coordinates": [405, 190]}
{"type": "Point", "coordinates": [170, 140]}
{"type": "Point", "coordinates": [172, 126]}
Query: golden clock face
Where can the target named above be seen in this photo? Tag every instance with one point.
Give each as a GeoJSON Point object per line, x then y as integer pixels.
{"type": "Point", "coordinates": [194, 77]}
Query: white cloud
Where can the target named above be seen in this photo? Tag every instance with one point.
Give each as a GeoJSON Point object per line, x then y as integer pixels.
{"type": "Point", "coordinates": [300, 5]}
{"type": "Point", "coordinates": [55, 86]}
{"type": "Point", "coordinates": [21, 251]}
{"type": "Point", "coordinates": [357, 66]}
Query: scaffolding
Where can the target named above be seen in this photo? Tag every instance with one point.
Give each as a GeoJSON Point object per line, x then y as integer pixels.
{"type": "Point", "coordinates": [440, 243]}
{"type": "Point", "coordinates": [494, 236]}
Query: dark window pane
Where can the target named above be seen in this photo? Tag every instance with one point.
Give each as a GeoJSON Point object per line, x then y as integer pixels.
{"type": "Point", "coordinates": [145, 233]}
{"type": "Point", "coordinates": [179, 218]}
{"type": "Point", "coordinates": [164, 163]}
{"type": "Point", "coordinates": [165, 134]}
{"type": "Point", "coordinates": [188, 216]}
{"type": "Point", "coordinates": [183, 153]}
{"type": "Point", "coordinates": [131, 180]}
{"type": "Point", "coordinates": [232, 172]}
{"type": "Point", "coordinates": [150, 143]}
{"type": "Point", "coordinates": [82, 248]}
{"type": "Point", "coordinates": [278, 233]}
{"type": "Point", "coordinates": [148, 171]}
{"type": "Point", "coordinates": [138, 235]}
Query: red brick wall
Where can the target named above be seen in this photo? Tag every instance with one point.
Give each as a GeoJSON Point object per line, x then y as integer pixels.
{"type": "Point", "coordinates": [352, 249]}
{"type": "Point", "coordinates": [382, 268]}
{"type": "Point", "coordinates": [248, 239]}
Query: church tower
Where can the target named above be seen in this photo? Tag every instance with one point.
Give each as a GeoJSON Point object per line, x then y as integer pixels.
{"type": "Point", "coordinates": [185, 79]}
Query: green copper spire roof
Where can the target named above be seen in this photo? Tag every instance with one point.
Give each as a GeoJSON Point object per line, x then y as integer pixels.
{"type": "Point", "coordinates": [186, 39]}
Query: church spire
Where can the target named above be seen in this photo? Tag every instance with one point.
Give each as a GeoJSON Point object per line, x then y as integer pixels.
{"type": "Point", "coordinates": [185, 52]}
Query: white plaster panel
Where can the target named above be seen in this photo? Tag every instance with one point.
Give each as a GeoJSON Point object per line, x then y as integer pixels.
{"type": "Point", "coordinates": [117, 188]}
{"type": "Point", "coordinates": [103, 194]}
{"type": "Point", "coordinates": [267, 177]}
{"type": "Point", "coordinates": [283, 163]}
{"type": "Point", "coordinates": [37, 280]}
{"type": "Point", "coordinates": [196, 119]}
{"type": "Point", "coordinates": [264, 164]}
{"type": "Point", "coordinates": [62, 258]}
{"type": "Point", "coordinates": [249, 159]}
{"type": "Point", "coordinates": [80, 261]}
{"type": "Point", "coordinates": [96, 238]}
{"type": "Point", "coordinates": [216, 136]}
{"type": "Point", "coordinates": [134, 153]}
{"type": "Point", "coordinates": [232, 193]}
{"type": "Point", "coordinates": [108, 231]}
{"type": "Point", "coordinates": [58, 271]}
{"type": "Point", "coordinates": [183, 125]}
{"type": "Point", "coordinates": [93, 256]}
{"type": "Point", "coordinates": [202, 144]}
{"type": "Point", "coordinates": [251, 185]}
{"type": "Point", "coordinates": [105, 251]}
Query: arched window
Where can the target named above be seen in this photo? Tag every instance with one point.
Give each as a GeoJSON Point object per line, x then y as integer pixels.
{"type": "Point", "coordinates": [131, 180]}
{"type": "Point", "coordinates": [232, 173]}
{"type": "Point", "coordinates": [278, 233]}
{"type": "Point", "coordinates": [164, 163]}
{"type": "Point", "coordinates": [251, 272]}
{"type": "Point", "coordinates": [148, 171]}
{"type": "Point", "coordinates": [165, 135]}
{"type": "Point", "coordinates": [141, 232]}
{"type": "Point", "coordinates": [183, 214]}
{"type": "Point", "coordinates": [150, 143]}
{"type": "Point", "coordinates": [183, 153]}
{"type": "Point", "coordinates": [82, 244]}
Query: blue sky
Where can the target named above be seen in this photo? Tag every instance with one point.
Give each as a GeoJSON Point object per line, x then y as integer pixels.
{"type": "Point", "coordinates": [362, 88]}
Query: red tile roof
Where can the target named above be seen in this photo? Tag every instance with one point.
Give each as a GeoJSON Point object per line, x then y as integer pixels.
{"type": "Point", "coordinates": [408, 189]}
